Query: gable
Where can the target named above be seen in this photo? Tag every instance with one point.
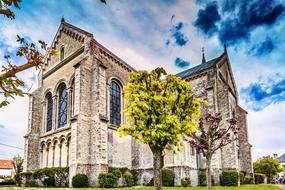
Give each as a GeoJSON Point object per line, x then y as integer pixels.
{"type": "Point", "coordinates": [70, 38]}
{"type": "Point", "coordinates": [226, 75]}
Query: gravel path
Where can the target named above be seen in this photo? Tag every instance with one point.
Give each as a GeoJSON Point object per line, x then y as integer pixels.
{"type": "Point", "coordinates": [282, 187]}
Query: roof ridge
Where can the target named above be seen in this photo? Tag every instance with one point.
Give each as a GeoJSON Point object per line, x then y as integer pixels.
{"type": "Point", "coordinates": [200, 67]}
{"type": "Point", "coordinates": [77, 28]}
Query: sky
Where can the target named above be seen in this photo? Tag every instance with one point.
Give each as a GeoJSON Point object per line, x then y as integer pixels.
{"type": "Point", "coordinates": [170, 34]}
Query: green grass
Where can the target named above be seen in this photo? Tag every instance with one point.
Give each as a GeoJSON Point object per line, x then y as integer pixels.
{"type": "Point", "coordinates": [243, 187]}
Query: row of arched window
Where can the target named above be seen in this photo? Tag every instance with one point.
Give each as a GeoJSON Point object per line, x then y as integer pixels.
{"type": "Point", "coordinates": [62, 109]}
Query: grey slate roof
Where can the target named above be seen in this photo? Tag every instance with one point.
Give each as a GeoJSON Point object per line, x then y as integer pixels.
{"type": "Point", "coordinates": [199, 68]}
{"type": "Point", "coordinates": [281, 158]}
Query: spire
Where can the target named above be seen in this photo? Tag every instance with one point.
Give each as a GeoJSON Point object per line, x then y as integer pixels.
{"type": "Point", "coordinates": [225, 48]}
{"type": "Point", "coordinates": [203, 56]}
{"type": "Point", "coordinates": [62, 19]}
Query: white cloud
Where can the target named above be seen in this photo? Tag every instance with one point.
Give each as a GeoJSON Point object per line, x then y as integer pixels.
{"type": "Point", "coordinates": [266, 130]}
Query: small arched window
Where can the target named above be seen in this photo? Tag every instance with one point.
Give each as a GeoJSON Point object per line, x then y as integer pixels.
{"type": "Point", "coordinates": [115, 104]}
{"type": "Point", "coordinates": [61, 53]}
{"type": "Point", "coordinates": [49, 112]}
{"type": "Point", "coordinates": [62, 105]}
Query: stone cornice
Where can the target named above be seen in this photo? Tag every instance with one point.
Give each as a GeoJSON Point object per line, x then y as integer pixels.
{"type": "Point", "coordinates": [112, 57]}
{"type": "Point", "coordinates": [64, 62]}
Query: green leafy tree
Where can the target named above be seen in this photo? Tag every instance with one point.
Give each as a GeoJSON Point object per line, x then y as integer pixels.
{"type": "Point", "coordinates": [159, 113]}
{"type": "Point", "coordinates": [211, 137]}
{"type": "Point", "coordinates": [267, 165]}
{"type": "Point", "coordinates": [18, 167]}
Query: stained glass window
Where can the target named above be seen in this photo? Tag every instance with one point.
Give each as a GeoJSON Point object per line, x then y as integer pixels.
{"type": "Point", "coordinates": [115, 104]}
{"type": "Point", "coordinates": [49, 112]}
{"type": "Point", "coordinates": [62, 106]}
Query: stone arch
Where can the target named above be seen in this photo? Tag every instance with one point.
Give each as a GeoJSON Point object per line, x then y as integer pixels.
{"type": "Point", "coordinates": [48, 90]}
{"type": "Point", "coordinates": [70, 80]}
{"type": "Point", "coordinates": [117, 79]}
{"type": "Point", "coordinates": [58, 84]}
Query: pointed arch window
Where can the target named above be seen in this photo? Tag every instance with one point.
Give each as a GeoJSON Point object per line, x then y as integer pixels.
{"type": "Point", "coordinates": [61, 53]}
{"type": "Point", "coordinates": [115, 104]}
{"type": "Point", "coordinates": [49, 112]}
{"type": "Point", "coordinates": [62, 106]}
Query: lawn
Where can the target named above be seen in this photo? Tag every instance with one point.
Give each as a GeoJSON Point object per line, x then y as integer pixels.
{"type": "Point", "coordinates": [243, 187]}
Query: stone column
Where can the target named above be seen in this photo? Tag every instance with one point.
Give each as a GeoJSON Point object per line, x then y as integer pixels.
{"type": "Point", "coordinates": [60, 145]}
{"type": "Point", "coordinates": [47, 155]}
{"type": "Point", "coordinates": [53, 152]}
{"type": "Point", "coordinates": [43, 127]}
{"type": "Point", "coordinates": [54, 113]}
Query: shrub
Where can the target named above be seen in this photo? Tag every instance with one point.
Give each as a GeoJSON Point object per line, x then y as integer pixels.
{"type": "Point", "coordinates": [185, 182]}
{"type": "Point", "coordinates": [259, 178]}
{"type": "Point", "coordinates": [116, 172]}
{"type": "Point", "coordinates": [129, 179]}
{"type": "Point", "coordinates": [8, 182]}
{"type": "Point", "coordinates": [167, 177]}
{"type": "Point", "coordinates": [230, 178]}
{"type": "Point", "coordinates": [46, 176]}
{"type": "Point", "coordinates": [135, 175]}
{"type": "Point", "coordinates": [248, 180]}
{"type": "Point", "coordinates": [241, 177]}
{"type": "Point", "coordinates": [61, 176]}
{"type": "Point", "coordinates": [108, 180]}
{"type": "Point", "coordinates": [80, 180]}
{"type": "Point", "coordinates": [27, 179]}
{"type": "Point", "coordinates": [50, 177]}
{"type": "Point", "coordinates": [202, 178]}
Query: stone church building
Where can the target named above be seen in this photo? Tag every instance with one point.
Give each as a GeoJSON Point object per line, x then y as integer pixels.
{"type": "Point", "coordinates": [76, 110]}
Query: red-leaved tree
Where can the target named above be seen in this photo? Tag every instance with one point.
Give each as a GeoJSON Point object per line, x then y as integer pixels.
{"type": "Point", "coordinates": [211, 136]}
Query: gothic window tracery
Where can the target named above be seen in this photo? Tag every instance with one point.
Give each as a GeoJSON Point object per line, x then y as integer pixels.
{"type": "Point", "coordinates": [115, 104]}
{"type": "Point", "coordinates": [62, 105]}
{"type": "Point", "coordinates": [49, 112]}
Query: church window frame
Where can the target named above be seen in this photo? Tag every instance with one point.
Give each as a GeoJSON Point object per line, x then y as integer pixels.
{"type": "Point", "coordinates": [115, 103]}
{"type": "Point", "coordinates": [62, 105]}
{"type": "Point", "coordinates": [49, 111]}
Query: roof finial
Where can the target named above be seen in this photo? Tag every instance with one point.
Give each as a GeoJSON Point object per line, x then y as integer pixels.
{"type": "Point", "coordinates": [225, 48]}
{"type": "Point", "coordinates": [203, 56]}
{"type": "Point", "coordinates": [62, 19]}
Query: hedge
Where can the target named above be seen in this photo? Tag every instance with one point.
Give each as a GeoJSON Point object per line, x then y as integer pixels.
{"type": "Point", "coordinates": [8, 182]}
{"type": "Point", "coordinates": [230, 178]}
{"type": "Point", "coordinates": [167, 177]}
{"type": "Point", "coordinates": [259, 178]}
{"type": "Point", "coordinates": [108, 180]}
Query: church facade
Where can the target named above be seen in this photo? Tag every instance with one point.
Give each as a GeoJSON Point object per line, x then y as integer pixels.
{"type": "Point", "coordinates": [76, 110]}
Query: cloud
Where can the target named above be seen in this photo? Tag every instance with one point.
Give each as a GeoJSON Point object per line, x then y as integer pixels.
{"type": "Point", "coordinates": [176, 33]}
{"type": "Point", "coordinates": [238, 19]}
{"type": "Point", "coordinates": [181, 63]}
{"type": "Point", "coordinates": [207, 19]}
{"type": "Point", "coordinates": [2, 126]}
{"type": "Point", "coordinates": [264, 92]}
{"type": "Point", "coordinates": [263, 48]}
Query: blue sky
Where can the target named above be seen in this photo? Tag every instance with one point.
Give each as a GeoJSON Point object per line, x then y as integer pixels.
{"type": "Point", "coordinates": [147, 34]}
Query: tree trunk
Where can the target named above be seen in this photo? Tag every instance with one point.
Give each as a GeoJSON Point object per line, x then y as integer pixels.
{"type": "Point", "coordinates": [209, 176]}
{"type": "Point", "coordinates": [157, 176]}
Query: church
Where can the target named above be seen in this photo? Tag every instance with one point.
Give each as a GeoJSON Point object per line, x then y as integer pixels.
{"type": "Point", "coordinates": [77, 108]}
